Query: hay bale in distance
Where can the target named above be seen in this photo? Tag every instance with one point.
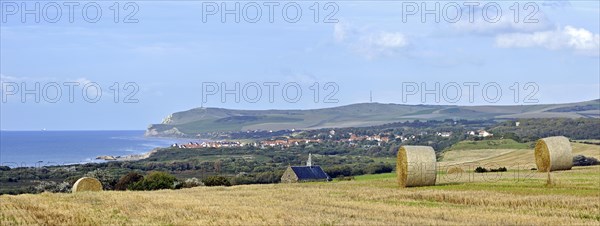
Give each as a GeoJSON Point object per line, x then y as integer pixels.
{"type": "Point", "coordinates": [454, 169]}
{"type": "Point", "coordinates": [553, 153]}
{"type": "Point", "coordinates": [416, 166]}
{"type": "Point", "coordinates": [87, 184]}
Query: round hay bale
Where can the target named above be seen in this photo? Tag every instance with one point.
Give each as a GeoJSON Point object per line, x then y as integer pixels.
{"type": "Point", "coordinates": [87, 184]}
{"type": "Point", "coordinates": [416, 166]}
{"type": "Point", "coordinates": [454, 169]}
{"type": "Point", "coordinates": [553, 153]}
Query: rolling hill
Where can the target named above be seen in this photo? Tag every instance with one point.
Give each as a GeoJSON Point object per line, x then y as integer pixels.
{"type": "Point", "coordinates": [202, 120]}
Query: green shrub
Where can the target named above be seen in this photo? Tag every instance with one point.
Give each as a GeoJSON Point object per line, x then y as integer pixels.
{"type": "Point", "coordinates": [51, 186]}
{"type": "Point", "coordinates": [500, 169]}
{"type": "Point", "coordinates": [336, 171]}
{"type": "Point", "coordinates": [216, 181]}
{"type": "Point", "coordinates": [106, 178]}
{"type": "Point", "coordinates": [480, 169]}
{"type": "Point", "coordinates": [358, 170]}
{"type": "Point", "coordinates": [155, 181]}
{"type": "Point", "coordinates": [258, 178]}
{"type": "Point", "coordinates": [192, 182]}
{"type": "Point", "coordinates": [379, 168]}
{"type": "Point", "coordinates": [128, 180]}
{"type": "Point", "coordinates": [177, 185]}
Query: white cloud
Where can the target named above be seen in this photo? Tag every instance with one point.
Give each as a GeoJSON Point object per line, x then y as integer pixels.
{"type": "Point", "coordinates": [339, 32]}
{"type": "Point", "coordinates": [83, 81]}
{"type": "Point", "coordinates": [381, 44]}
{"type": "Point", "coordinates": [579, 40]}
{"type": "Point", "coordinates": [371, 44]}
{"type": "Point", "coordinates": [19, 79]}
{"type": "Point", "coordinates": [92, 89]}
{"type": "Point", "coordinates": [388, 40]}
{"type": "Point", "coordinates": [582, 39]}
{"type": "Point", "coordinates": [6, 78]}
{"type": "Point", "coordinates": [556, 3]}
{"type": "Point", "coordinates": [31, 82]}
{"type": "Point", "coordinates": [530, 21]}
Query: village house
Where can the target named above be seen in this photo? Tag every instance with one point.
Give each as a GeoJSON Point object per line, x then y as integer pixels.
{"type": "Point", "coordinates": [402, 138]}
{"type": "Point", "coordinates": [480, 133]}
{"type": "Point", "coordinates": [444, 134]}
{"type": "Point", "coordinates": [287, 143]}
{"type": "Point", "coordinates": [294, 174]}
{"type": "Point", "coordinates": [376, 137]}
{"type": "Point", "coordinates": [483, 133]}
{"type": "Point", "coordinates": [354, 137]}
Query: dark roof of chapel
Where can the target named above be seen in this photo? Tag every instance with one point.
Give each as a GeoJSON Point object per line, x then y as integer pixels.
{"type": "Point", "coordinates": [310, 173]}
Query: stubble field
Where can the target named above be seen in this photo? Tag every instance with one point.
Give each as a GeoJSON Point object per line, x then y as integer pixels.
{"type": "Point", "coordinates": [519, 196]}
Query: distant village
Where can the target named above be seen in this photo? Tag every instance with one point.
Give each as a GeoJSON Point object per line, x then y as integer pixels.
{"type": "Point", "coordinates": [352, 140]}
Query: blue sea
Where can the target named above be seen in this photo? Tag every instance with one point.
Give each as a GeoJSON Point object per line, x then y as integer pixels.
{"type": "Point", "coordinates": [38, 148]}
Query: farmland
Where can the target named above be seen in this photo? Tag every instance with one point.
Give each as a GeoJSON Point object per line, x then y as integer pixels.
{"type": "Point", "coordinates": [519, 196]}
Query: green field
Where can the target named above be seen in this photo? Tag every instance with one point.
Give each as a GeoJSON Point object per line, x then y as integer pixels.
{"type": "Point", "coordinates": [489, 144]}
{"type": "Point", "coordinates": [375, 176]}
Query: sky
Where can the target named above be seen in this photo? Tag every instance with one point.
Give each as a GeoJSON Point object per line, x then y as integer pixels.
{"type": "Point", "coordinates": [134, 63]}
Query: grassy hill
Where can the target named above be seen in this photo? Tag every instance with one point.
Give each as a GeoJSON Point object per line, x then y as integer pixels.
{"type": "Point", "coordinates": [517, 197]}
{"type": "Point", "coordinates": [201, 120]}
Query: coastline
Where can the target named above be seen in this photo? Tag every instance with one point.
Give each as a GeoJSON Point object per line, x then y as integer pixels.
{"type": "Point", "coordinates": [137, 157]}
{"type": "Point", "coordinates": [132, 157]}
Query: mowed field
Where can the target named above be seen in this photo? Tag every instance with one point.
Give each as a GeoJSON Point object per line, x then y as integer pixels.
{"type": "Point", "coordinates": [516, 197]}
{"type": "Point", "coordinates": [509, 158]}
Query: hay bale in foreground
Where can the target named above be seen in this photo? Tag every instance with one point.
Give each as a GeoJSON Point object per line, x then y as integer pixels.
{"type": "Point", "coordinates": [416, 166]}
{"type": "Point", "coordinates": [87, 184]}
{"type": "Point", "coordinates": [553, 153]}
